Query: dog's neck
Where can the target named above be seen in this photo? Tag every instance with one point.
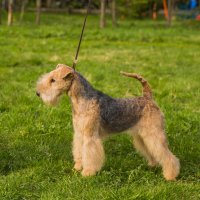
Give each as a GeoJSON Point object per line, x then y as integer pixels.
{"type": "Point", "coordinates": [79, 93]}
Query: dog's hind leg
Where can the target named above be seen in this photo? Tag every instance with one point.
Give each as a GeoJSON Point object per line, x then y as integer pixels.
{"type": "Point", "coordinates": [155, 141]}
{"type": "Point", "coordinates": [140, 146]}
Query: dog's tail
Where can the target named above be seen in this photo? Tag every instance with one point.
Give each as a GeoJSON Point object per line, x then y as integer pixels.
{"type": "Point", "coordinates": [147, 92]}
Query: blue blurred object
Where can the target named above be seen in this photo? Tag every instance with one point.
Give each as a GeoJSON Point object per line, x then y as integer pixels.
{"type": "Point", "coordinates": [193, 4]}
{"type": "Point", "coordinates": [188, 9]}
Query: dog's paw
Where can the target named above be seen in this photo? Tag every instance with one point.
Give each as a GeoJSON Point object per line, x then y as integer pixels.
{"type": "Point", "coordinates": [152, 163]}
{"type": "Point", "coordinates": [78, 166]}
{"type": "Point", "coordinates": [169, 178]}
{"type": "Point", "coordinates": [88, 172]}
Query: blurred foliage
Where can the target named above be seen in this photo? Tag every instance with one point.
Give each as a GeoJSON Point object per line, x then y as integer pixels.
{"type": "Point", "coordinates": [133, 8]}
{"type": "Point", "coordinates": [137, 8]}
{"type": "Point", "coordinates": [130, 8]}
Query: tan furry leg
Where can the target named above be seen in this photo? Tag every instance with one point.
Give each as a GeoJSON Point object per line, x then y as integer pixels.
{"type": "Point", "coordinates": [155, 141]}
{"type": "Point", "coordinates": [140, 146]}
{"type": "Point", "coordinates": [93, 155]}
{"type": "Point", "coordinates": [77, 151]}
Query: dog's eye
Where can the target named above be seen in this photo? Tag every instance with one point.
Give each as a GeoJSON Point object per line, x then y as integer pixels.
{"type": "Point", "coordinates": [52, 80]}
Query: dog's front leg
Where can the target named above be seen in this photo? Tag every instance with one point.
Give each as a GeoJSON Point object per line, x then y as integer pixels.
{"type": "Point", "coordinates": [93, 155]}
{"type": "Point", "coordinates": [77, 145]}
{"type": "Point", "coordinates": [77, 150]}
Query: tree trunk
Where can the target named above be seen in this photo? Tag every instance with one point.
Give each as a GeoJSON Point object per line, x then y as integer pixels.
{"type": "Point", "coordinates": [0, 10]}
{"type": "Point", "coordinates": [154, 11]}
{"type": "Point", "coordinates": [169, 12]}
{"type": "Point", "coordinates": [10, 12]}
{"type": "Point", "coordinates": [63, 3]}
{"type": "Point", "coordinates": [165, 9]}
{"type": "Point", "coordinates": [49, 3]}
{"type": "Point", "coordinates": [23, 5]}
{"type": "Point", "coordinates": [113, 11]}
{"type": "Point", "coordinates": [38, 10]}
{"type": "Point", "coordinates": [102, 13]}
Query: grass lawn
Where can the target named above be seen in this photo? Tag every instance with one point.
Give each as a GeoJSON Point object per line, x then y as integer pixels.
{"type": "Point", "coordinates": [35, 141]}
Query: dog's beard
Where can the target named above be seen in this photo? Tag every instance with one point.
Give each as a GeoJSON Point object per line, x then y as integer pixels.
{"type": "Point", "coordinates": [50, 99]}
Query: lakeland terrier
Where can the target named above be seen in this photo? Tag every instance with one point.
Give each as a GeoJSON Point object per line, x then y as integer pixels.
{"type": "Point", "coordinates": [96, 115]}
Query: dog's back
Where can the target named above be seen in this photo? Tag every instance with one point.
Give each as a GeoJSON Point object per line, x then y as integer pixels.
{"type": "Point", "coordinates": [118, 115]}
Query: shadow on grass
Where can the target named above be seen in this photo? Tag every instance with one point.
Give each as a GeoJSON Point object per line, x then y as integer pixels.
{"type": "Point", "coordinates": [122, 159]}
{"type": "Point", "coordinates": [30, 152]}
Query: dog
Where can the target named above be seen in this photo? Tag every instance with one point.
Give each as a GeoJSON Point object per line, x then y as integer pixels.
{"type": "Point", "coordinates": [97, 115]}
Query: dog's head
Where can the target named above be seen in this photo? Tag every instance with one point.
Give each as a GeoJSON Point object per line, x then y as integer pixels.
{"type": "Point", "coordinates": [53, 84]}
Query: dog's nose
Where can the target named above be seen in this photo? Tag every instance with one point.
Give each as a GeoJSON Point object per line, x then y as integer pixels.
{"type": "Point", "coordinates": [38, 94]}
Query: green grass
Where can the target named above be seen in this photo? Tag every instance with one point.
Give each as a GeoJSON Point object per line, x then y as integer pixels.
{"type": "Point", "coordinates": [35, 141]}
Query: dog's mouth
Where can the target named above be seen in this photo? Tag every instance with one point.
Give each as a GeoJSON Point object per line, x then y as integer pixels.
{"type": "Point", "coordinates": [38, 94]}
{"type": "Point", "coordinates": [49, 99]}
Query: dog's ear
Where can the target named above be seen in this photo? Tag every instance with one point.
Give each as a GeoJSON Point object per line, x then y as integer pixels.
{"type": "Point", "coordinates": [68, 76]}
